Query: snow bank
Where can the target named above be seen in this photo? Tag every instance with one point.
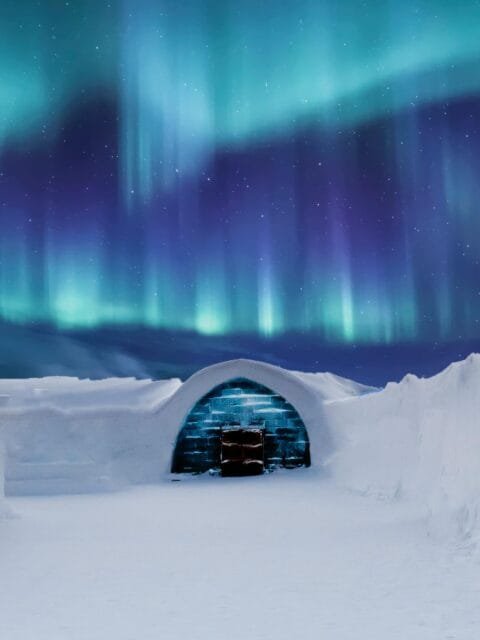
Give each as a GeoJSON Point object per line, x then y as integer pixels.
{"type": "Point", "coordinates": [2, 474]}
{"type": "Point", "coordinates": [65, 435]}
{"type": "Point", "coordinates": [418, 440]}
{"type": "Point", "coordinates": [332, 387]}
{"type": "Point", "coordinates": [2, 468]}
{"type": "Point", "coordinates": [69, 393]}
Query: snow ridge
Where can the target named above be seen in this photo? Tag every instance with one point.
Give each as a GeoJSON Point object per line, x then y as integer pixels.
{"type": "Point", "coordinates": [418, 439]}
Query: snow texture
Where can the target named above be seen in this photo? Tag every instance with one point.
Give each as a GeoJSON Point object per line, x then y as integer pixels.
{"type": "Point", "coordinates": [281, 557]}
{"type": "Point", "coordinates": [417, 440]}
{"type": "Point", "coordinates": [2, 469]}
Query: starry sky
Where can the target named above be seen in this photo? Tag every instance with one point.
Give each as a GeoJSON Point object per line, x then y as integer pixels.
{"type": "Point", "coordinates": [258, 173]}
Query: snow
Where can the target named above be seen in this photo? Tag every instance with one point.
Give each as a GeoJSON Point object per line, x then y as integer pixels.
{"type": "Point", "coordinates": [285, 556]}
{"type": "Point", "coordinates": [417, 440]}
{"type": "Point", "coordinates": [67, 393]}
{"type": "Point", "coordinates": [381, 534]}
{"type": "Point", "coordinates": [66, 435]}
{"type": "Point", "coordinates": [2, 473]}
{"type": "Point", "coordinates": [333, 387]}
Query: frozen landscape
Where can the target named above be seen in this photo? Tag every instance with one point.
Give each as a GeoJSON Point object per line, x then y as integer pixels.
{"type": "Point", "coordinates": [377, 539]}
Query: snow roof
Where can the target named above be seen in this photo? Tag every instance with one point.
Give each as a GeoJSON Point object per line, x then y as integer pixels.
{"type": "Point", "coordinates": [66, 393]}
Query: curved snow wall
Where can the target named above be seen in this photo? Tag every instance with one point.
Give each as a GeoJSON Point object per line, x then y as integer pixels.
{"type": "Point", "coordinates": [241, 402]}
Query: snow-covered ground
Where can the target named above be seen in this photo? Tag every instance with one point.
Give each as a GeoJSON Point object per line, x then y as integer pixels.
{"type": "Point", "coordinates": [281, 556]}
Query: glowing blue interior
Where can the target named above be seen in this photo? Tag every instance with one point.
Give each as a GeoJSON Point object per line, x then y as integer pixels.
{"type": "Point", "coordinates": [241, 402]}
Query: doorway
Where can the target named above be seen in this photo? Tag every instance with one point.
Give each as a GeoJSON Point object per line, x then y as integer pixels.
{"type": "Point", "coordinates": [242, 451]}
{"type": "Point", "coordinates": [244, 405]}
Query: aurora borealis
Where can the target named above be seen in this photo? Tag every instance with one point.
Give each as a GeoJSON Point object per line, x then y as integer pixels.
{"type": "Point", "coordinates": [242, 167]}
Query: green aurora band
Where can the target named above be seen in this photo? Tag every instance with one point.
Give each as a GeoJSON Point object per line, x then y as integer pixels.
{"type": "Point", "coordinates": [197, 79]}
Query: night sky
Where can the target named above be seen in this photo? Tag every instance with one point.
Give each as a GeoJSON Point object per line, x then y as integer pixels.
{"type": "Point", "coordinates": [273, 180]}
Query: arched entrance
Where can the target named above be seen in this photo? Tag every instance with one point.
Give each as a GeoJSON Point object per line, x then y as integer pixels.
{"type": "Point", "coordinates": [244, 420]}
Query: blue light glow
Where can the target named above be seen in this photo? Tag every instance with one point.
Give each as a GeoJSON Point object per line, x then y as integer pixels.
{"type": "Point", "coordinates": [242, 167]}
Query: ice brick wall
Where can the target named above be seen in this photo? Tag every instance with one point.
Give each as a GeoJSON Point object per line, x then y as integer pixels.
{"type": "Point", "coordinates": [245, 403]}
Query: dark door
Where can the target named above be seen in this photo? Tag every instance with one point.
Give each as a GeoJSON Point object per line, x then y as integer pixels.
{"type": "Point", "coordinates": [242, 452]}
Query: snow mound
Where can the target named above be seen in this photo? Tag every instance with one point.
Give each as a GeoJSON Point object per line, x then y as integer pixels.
{"type": "Point", "coordinates": [3, 509]}
{"type": "Point", "coordinates": [332, 387]}
{"type": "Point", "coordinates": [418, 439]}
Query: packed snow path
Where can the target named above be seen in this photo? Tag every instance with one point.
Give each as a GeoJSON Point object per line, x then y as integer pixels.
{"type": "Point", "coordinates": [276, 557]}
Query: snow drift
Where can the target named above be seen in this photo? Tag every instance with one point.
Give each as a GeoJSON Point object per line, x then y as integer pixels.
{"type": "Point", "coordinates": [418, 440]}
{"type": "Point", "coordinates": [2, 473]}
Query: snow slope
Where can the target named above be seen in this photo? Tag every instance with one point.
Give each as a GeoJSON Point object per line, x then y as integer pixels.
{"type": "Point", "coordinates": [2, 469]}
{"type": "Point", "coordinates": [418, 440]}
{"type": "Point", "coordinates": [332, 387]}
